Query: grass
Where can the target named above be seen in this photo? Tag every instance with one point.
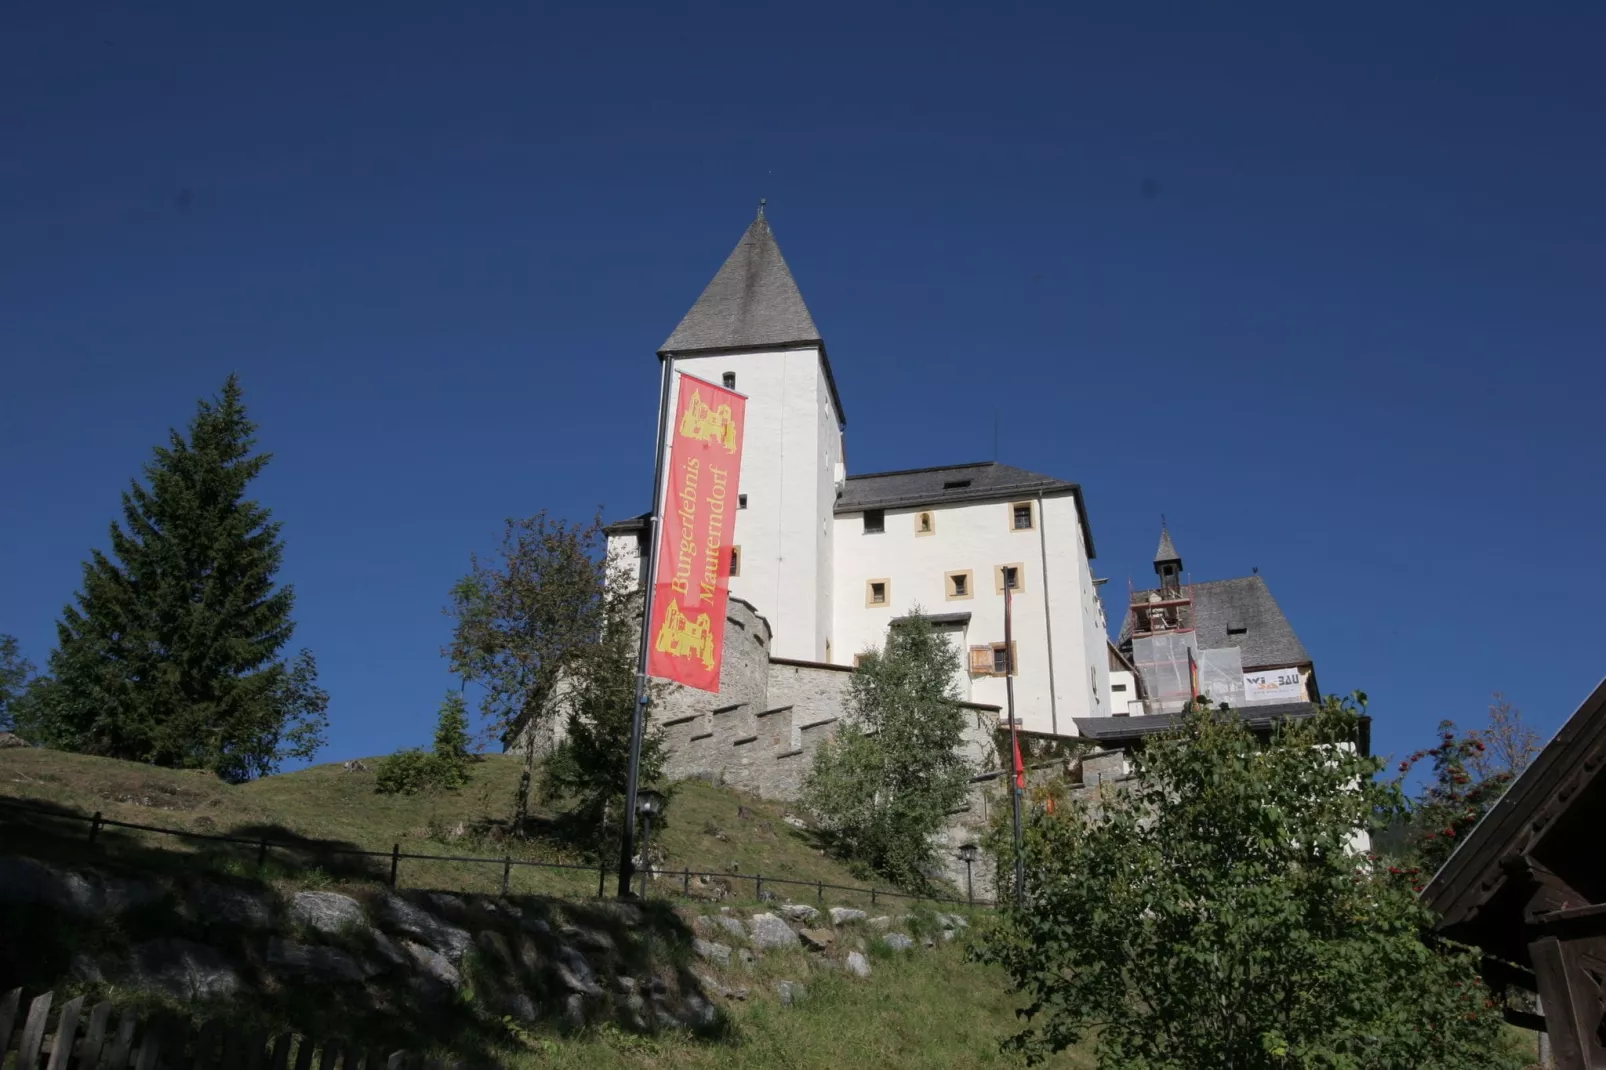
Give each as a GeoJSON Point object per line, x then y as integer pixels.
{"type": "Point", "coordinates": [327, 807]}
{"type": "Point", "coordinates": [929, 1008]}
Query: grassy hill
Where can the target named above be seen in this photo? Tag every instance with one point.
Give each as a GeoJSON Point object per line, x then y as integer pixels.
{"type": "Point", "coordinates": [929, 1009]}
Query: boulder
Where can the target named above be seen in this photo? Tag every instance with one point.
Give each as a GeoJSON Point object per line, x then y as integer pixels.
{"type": "Point", "coordinates": [574, 1011]}
{"type": "Point", "coordinates": [575, 972]}
{"type": "Point", "coordinates": [317, 963]}
{"type": "Point", "coordinates": [790, 992]}
{"type": "Point", "coordinates": [83, 895]}
{"type": "Point", "coordinates": [716, 953]}
{"type": "Point", "coordinates": [387, 950]}
{"type": "Point", "coordinates": [731, 925]}
{"type": "Point", "coordinates": [519, 1007]}
{"type": "Point", "coordinates": [433, 965]}
{"type": "Point", "coordinates": [398, 914]}
{"type": "Point", "coordinates": [745, 958]}
{"type": "Point", "coordinates": [817, 939]}
{"type": "Point", "coordinates": [883, 922]}
{"type": "Point", "coordinates": [797, 912]}
{"type": "Point", "coordinates": [858, 965]}
{"type": "Point", "coordinates": [493, 945]}
{"type": "Point", "coordinates": [844, 915]}
{"type": "Point", "coordinates": [590, 939]}
{"type": "Point", "coordinates": [328, 913]}
{"type": "Point", "coordinates": [183, 969]}
{"type": "Point", "coordinates": [709, 984]}
{"type": "Point", "coordinates": [770, 931]}
{"type": "Point", "coordinates": [11, 739]}
{"type": "Point", "coordinates": [952, 921]}
{"type": "Point", "coordinates": [898, 941]}
{"type": "Point", "coordinates": [220, 904]}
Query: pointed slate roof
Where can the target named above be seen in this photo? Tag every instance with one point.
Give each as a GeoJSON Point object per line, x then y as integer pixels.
{"type": "Point", "coordinates": [752, 302]}
{"type": "Point", "coordinates": [1167, 551]}
{"type": "Point", "coordinates": [1239, 612]}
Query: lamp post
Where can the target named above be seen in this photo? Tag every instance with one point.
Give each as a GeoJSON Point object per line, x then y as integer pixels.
{"type": "Point", "coordinates": [967, 855]}
{"type": "Point", "coordinates": [649, 804]}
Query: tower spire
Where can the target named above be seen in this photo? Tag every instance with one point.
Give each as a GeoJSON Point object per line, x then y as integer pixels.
{"type": "Point", "coordinates": [1167, 562]}
{"type": "Point", "coordinates": [753, 302]}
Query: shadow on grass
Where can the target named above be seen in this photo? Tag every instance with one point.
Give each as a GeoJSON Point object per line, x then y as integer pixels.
{"type": "Point", "coordinates": [200, 934]}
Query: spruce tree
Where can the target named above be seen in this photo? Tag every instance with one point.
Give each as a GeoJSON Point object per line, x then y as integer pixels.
{"type": "Point", "coordinates": [171, 653]}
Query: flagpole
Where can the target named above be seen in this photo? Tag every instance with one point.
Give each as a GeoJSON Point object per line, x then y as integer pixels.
{"type": "Point", "coordinates": [638, 720]}
{"type": "Point", "coordinates": [1018, 771]}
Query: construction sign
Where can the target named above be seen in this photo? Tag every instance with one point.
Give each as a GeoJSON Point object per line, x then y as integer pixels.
{"type": "Point", "coordinates": [698, 521]}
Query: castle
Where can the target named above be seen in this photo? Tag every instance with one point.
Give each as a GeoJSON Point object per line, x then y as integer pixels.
{"type": "Point", "coordinates": [824, 562]}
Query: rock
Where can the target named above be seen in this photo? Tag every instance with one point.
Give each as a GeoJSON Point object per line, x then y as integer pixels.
{"type": "Point", "coordinates": [732, 925]}
{"type": "Point", "coordinates": [222, 904]}
{"type": "Point", "coordinates": [590, 939]}
{"type": "Point", "coordinates": [716, 953]}
{"type": "Point", "coordinates": [397, 913]}
{"type": "Point", "coordinates": [898, 941]}
{"type": "Point", "coordinates": [739, 994]}
{"type": "Point", "coordinates": [355, 765]}
{"type": "Point", "coordinates": [711, 985]}
{"type": "Point", "coordinates": [529, 955]}
{"type": "Point", "coordinates": [817, 939]}
{"type": "Point", "coordinates": [795, 821]}
{"type": "Point", "coordinates": [183, 969]}
{"type": "Point", "coordinates": [493, 945]}
{"type": "Point", "coordinates": [947, 935]}
{"type": "Point", "coordinates": [433, 965]}
{"type": "Point", "coordinates": [387, 949]}
{"type": "Point", "coordinates": [699, 1012]}
{"type": "Point", "coordinates": [703, 925]}
{"type": "Point", "coordinates": [536, 926]}
{"type": "Point", "coordinates": [844, 915]}
{"type": "Point", "coordinates": [84, 895]}
{"type": "Point", "coordinates": [574, 1012]}
{"type": "Point", "coordinates": [626, 984]}
{"type": "Point", "coordinates": [519, 1007]}
{"type": "Point", "coordinates": [319, 963]}
{"type": "Point", "coordinates": [328, 913]}
{"type": "Point", "coordinates": [86, 969]}
{"type": "Point", "coordinates": [11, 739]}
{"type": "Point", "coordinates": [771, 932]}
{"type": "Point", "coordinates": [797, 912]}
{"type": "Point", "coordinates": [790, 992]}
{"type": "Point", "coordinates": [928, 943]}
{"type": "Point", "coordinates": [858, 965]}
{"type": "Point", "coordinates": [747, 959]}
{"type": "Point", "coordinates": [952, 921]}
{"type": "Point", "coordinates": [575, 972]}
{"type": "Point", "coordinates": [882, 922]}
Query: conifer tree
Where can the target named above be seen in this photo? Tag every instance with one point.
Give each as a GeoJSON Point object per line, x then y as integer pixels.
{"type": "Point", "coordinates": [170, 653]}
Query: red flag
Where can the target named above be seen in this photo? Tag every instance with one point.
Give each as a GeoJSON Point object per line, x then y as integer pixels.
{"type": "Point", "coordinates": [698, 520]}
{"type": "Point", "coordinates": [1020, 766]}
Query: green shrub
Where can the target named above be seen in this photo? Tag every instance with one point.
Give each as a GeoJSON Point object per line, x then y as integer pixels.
{"type": "Point", "coordinates": [406, 772]}
{"type": "Point", "coordinates": [410, 771]}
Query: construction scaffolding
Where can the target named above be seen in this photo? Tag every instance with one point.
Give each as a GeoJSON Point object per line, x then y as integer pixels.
{"type": "Point", "coordinates": [1221, 675]}
{"type": "Point", "coordinates": [1167, 663]}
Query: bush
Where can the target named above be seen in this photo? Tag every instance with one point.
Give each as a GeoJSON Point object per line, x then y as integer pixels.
{"type": "Point", "coordinates": [406, 772]}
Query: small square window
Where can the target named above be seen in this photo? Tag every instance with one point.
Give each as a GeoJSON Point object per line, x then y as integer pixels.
{"type": "Point", "coordinates": [741, 501]}
{"type": "Point", "coordinates": [877, 592]}
{"type": "Point", "coordinates": [925, 524]}
{"type": "Point", "coordinates": [736, 560]}
{"type": "Point", "coordinates": [1010, 577]}
{"type": "Point", "coordinates": [1020, 516]}
{"type": "Point", "coordinates": [729, 379]}
{"type": "Point", "coordinates": [1000, 660]}
{"type": "Point", "coordinates": [959, 584]}
{"type": "Point", "coordinates": [875, 521]}
{"type": "Point", "coordinates": [1117, 687]}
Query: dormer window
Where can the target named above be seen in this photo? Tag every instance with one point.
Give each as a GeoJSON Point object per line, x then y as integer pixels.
{"type": "Point", "coordinates": [729, 379]}
{"type": "Point", "coordinates": [956, 484]}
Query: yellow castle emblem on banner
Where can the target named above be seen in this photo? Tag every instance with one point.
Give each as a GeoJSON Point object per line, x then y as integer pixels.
{"type": "Point", "coordinates": [680, 637]}
{"type": "Point", "coordinates": [709, 424]}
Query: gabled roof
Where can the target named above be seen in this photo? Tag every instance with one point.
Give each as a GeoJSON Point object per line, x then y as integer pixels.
{"type": "Point", "coordinates": [948, 484]}
{"type": "Point", "coordinates": [1167, 551]}
{"type": "Point", "coordinates": [753, 302]}
{"type": "Point", "coordinates": [1550, 814]}
{"type": "Point", "coordinates": [1221, 607]}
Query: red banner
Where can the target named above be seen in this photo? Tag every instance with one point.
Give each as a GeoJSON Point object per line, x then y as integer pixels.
{"type": "Point", "coordinates": [699, 520]}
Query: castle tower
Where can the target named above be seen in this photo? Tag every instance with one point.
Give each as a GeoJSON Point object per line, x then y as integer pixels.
{"type": "Point", "coordinates": [1167, 562]}
{"type": "Point", "coordinates": [751, 331]}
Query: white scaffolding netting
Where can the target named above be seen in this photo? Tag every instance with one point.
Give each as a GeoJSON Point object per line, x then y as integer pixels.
{"type": "Point", "coordinates": [1221, 675]}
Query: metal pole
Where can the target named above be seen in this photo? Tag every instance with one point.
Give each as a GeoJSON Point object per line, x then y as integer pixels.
{"type": "Point", "coordinates": [646, 852]}
{"type": "Point", "coordinates": [627, 846]}
{"type": "Point", "coordinates": [970, 894]}
{"type": "Point", "coordinates": [1014, 742]}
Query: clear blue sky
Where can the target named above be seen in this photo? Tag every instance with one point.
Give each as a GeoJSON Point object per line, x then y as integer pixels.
{"type": "Point", "coordinates": [1324, 287]}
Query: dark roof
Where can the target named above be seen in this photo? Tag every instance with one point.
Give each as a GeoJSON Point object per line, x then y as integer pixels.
{"type": "Point", "coordinates": [752, 302]}
{"type": "Point", "coordinates": [1551, 814]}
{"type": "Point", "coordinates": [947, 484]}
{"type": "Point", "coordinates": [1119, 729]}
{"type": "Point", "coordinates": [1268, 639]}
{"type": "Point", "coordinates": [937, 618]}
{"type": "Point", "coordinates": [627, 525]}
{"type": "Point", "coordinates": [1167, 551]}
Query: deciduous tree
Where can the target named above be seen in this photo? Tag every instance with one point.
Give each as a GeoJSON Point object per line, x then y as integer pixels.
{"type": "Point", "coordinates": [886, 783]}
{"type": "Point", "coordinates": [1215, 911]}
{"type": "Point", "coordinates": [15, 673]}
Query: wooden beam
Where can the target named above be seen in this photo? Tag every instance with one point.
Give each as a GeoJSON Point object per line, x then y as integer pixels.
{"type": "Point", "coordinates": [1564, 1014]}
{"type": "Point", "coordinates": [1525, 1019]}
{"type": "Point", "coordinates": [1570, 923]}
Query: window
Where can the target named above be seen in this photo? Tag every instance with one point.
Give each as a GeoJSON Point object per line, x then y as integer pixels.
{"type": "Point", "coordinates": [736, 560]}
{"type": "Point", "coordinates": [877, 592]}
{"type": "Point", "coordinates": [1020, 516]}
{"type": "Point", "coordinates": [1004, 657]}
{"type": "Point", "coordinates": [875, 521]}
{"type": "Point", "coordinates": [956, 484]}
{"type": "Point", "coordinates": [1237, 630]}
{"type": "Point", "coordinates": [959, 584]}
{"type": "Point", "coordinates": [1011, 576]}
{"type": "Point", "coordinates": [925, 524]}
{"type": "Point", "coordinates": [741, 501]}
{"type": "Point", "coordinates": [1117, 687]}
{"type": "Point", "coordinates": [729, 379]}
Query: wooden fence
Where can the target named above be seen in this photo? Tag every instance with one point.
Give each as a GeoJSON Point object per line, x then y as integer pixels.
{"type": "Point", "coordinates": [72, 1039]}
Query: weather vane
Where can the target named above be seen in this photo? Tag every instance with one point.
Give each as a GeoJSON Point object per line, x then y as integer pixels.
{"type": "Point", "coordinates": [761, 202]}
